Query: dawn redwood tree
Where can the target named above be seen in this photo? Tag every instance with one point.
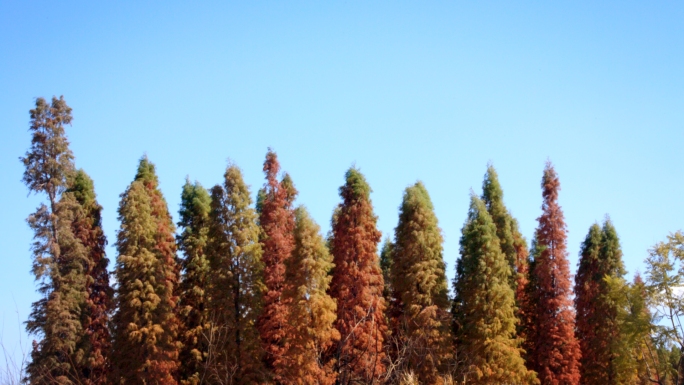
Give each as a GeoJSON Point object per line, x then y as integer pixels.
{"type": "Point", "coordinates": [492, 195]}
{"type": "Point", "coordinates": [514, 247]}
{"type": "Point", "coordinates": [418, 280]}
{"type": "Point", "coordinates": [145, 347]}
{"type": "Point", "coordinates": [598, 326]}
{"type": "Point", "coordinates": [357, 285]}
{"type": "Point", "coordinates": [484, 306]}
{"type": "Point", "coordinates": [556, 355]}
{"type": "Point", "coordinates": [277, 222]}
{"type": "Point", "coordinates": [192, 309]}
{"type": "Point", "coordinates": [235, 290]}
{"type": "Point", "coordinates": [48, 163]}
{"type": "Point", "coordinates": [312, 311]}
{"type": "Point", "coordinates": [94, 366]}
{"type": "Point", "coordinates": [69, 260]}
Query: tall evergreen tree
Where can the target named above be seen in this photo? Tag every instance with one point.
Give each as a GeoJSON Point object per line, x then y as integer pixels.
{"type": "Point", "coordinates": [484, 307]}
{"type": "Point", "coordinates": [312, 311]}
{"type": "Point", "coordinates": [145, 347]}
{"type": "Point", "coordinates": [93, 366]}
{"type": "Point", "coordinates": [277, 222]}
{"type": "Point", "coordinates": [556, 352]}
{"type": "Point", "coordinates": [236, 288]}
{"type": "Point", "coordinates": [69, 260]}
{"type": "Point", "coordinates": [514, 247]}
{"type": "Point", "coordinates": [192, 241]}
{"type": "Point", "coordinates": [357, 285]}
{"type": "Point", "coordinates": [492, 195]}
{"type": "Point", "coordinates": [598, 312]}
{"type": "Point", "coordinates": [419, 283]}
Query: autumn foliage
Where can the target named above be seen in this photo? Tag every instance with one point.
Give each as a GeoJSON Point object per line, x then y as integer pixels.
{"type": "Point", "coordinates": [257, 295]}
{"type": "Point", "coordinates": [556, 352]}
{"type": "Point", "coordinates": [277, 222]}
{"type": "Point", "coordinates": [357, 285]}
{"type": "Point", "coordinates": [145, 346]}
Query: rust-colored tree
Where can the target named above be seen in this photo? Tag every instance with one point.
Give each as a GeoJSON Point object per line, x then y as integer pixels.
{"type": "Point", "coordinates": [277, 223]}
{"type": "Point", "coordinates": [556, 353]}
{"type": "Point", "coordinates": [145, 347]}
{"type": "Point", "coordinates": [357, 285]}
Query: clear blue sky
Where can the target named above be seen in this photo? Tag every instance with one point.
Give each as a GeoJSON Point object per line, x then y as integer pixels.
{"type": "Point", "coordinates": [404, 90]}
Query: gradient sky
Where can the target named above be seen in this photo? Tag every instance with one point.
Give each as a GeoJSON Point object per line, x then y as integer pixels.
{"type": "Point", "coordinates": [405, 91]}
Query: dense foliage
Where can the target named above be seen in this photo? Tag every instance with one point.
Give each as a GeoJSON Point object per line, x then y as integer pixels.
{"type": "Point", "coordinates": [252, 293]}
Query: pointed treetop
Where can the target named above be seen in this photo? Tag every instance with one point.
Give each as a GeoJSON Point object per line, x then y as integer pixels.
{"type": "Point", "coordinates": [82, 188]}
{"type": "Point", "coordinates": [146, 171]}
{"type": "Point", "coordinates": [491, 189]}
{"type": "Point", "coordinates": [356, 186]}
{"type": "Point", "coordinates": [271, 164]}
{"type": "Point", "coordinates": [194, 200]}
{"type": "Point", "coordinates": [418, 194]}
{"type": "Point", "coordinates": [550, 183]}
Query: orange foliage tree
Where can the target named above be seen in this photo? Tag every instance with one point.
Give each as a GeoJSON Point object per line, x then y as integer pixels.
{"type": "Point", "coordinates": [556, 353]}
{"type": "Point", "coordinates": [357, 285]}
{"type": "Point", "coordinates": [277, 222]}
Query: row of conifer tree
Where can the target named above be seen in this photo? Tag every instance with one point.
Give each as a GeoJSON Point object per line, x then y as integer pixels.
{"type": "Point", "coordinates": [247, 292]}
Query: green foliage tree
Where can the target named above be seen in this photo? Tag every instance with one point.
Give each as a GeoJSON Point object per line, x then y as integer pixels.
{"type": "Point", "coordinates": [637, 359]}
{"type": "Point", "coordinates": [312, 311]}
{"type": "Point", "coordinates": [597, 313]}
{"type": "Point", "coordinates": [145, 326]}
{"type": "Point", "coordinates": [664, 279]}
{"type": "Point", "coordinates": [192, 309]}
{"type": "Point", "coordinates": [514, 247]}
{"type": "Point", "coordinates": [484, 306]}
{"type": "Point", "coordinates": [235, 290]}
{"type": "Point", "coordinates": [418, 280]}
{"type": "Point", "coordinates": [357, 285]}
{"type": "Point", "coordinates": [68, 258]}
{"type": "Point", "coordinates": [93, 366]}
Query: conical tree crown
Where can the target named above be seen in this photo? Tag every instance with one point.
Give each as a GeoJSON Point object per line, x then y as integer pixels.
{"type": "Point", "coordinates": [145, 326]}
{"type": "Point", "coordinates": [277, 222]}
{"type": "Point", "coordinates": [485, 306]}
{"type": "Point", "coordinates": [235, 287]}
{"type": "Point", "coordinates": [87, 226]}
{"type": "Point", "coordinates": [194, 222]}
{"type": "Point", "coordinates": [419, 283]}
{"type": "Point", "coordinates": [492, 195]}
{"type": "Point", "coordinates": [357, 284]}
{"type": "Point", "coordinates": [557, 353]}
{"type": "Point", "coordinates": [597, 312]}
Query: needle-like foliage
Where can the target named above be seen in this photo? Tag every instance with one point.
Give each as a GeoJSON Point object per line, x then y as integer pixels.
{"type": "Point", "coordinates": [357, 285]}
{"type": "Point", "coordinates": [418, 281]}
{"type": "Point", "coordinates": [235, 291]}
{"type": "Point", "coordinates": [484, 306]}
{"type": "Point", "coordinates": [192, 312]}
{"type": "Point", "coordinates": [145, 326]}
{"type": "Point", "coordinates": [556, 353]}
{"type": "Point", "coordinates": [312, 311]}
{"type": "Point", "coordinates": [277, 222]}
